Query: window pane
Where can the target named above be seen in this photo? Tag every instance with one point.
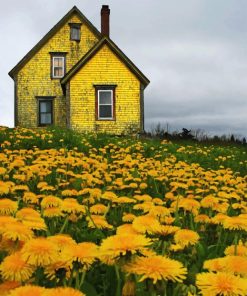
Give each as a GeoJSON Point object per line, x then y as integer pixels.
{"type": "Point", "coordinates": [75, 33]}
{"type": "Point", "coordinates": [45, 118]}
{"type": "Point", "coordinates": [105, 111]}
{"type": "Point", "coordinates": [105, 97]}
{"type": "Point", "coordinates": [58, 72]}
{"type": "Point", "coordinates": [45, 107]}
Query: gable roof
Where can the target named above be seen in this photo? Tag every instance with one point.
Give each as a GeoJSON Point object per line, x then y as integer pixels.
{"type": "Point", "coordinates": [94, 50]}
{"type": "Point", "coordinates": [51, 33]}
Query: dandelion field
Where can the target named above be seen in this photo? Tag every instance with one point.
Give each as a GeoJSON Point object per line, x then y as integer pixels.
{"type": "Point", "coordinates": [100, 215]}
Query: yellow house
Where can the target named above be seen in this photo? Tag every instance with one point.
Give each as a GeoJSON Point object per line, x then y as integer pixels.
{"type": "Point", "coordinates": [77, 77]}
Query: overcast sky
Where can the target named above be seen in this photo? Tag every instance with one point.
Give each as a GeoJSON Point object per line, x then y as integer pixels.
{"type": "Point", "coordinates": [194, 52]}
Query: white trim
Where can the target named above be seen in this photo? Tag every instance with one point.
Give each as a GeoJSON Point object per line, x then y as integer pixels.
{"type": "Point", "coordinates": [63, 66]}
{"type": "Point", "coordinates": [105, 90]}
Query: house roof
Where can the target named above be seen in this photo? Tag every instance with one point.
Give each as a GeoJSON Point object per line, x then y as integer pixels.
{"type": "Point", "coordinates": [51, 33]}
{"type": "Point", "coordinates": [105, 40]}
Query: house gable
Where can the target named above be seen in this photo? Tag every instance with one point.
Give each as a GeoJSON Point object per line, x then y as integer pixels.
{"type": "Point", "coordinates": [116, 50]}
{"type": "Point", "coordinates": [104, 70]}
{"type": "Point", "coordinates": [33, 75]}
{"type": "Point", "coordinates": [51, 33]}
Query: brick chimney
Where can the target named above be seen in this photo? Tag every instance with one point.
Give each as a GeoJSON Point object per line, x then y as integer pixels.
{"type": "Point", "coordinates": [105, 20]}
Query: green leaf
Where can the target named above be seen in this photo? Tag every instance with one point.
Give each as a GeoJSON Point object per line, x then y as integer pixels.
{"type": "Point", "coordinates": [88, 289]}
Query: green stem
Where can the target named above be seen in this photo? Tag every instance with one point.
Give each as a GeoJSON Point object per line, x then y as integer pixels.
{"type": "Point", "coordinates": [236, 244]}
{"type": "Point", "coordinates": [118, 291]}
{"type": "Point", "coordinates": [82, 279]}
{"type": "Point", "coordinates": [64, 224]}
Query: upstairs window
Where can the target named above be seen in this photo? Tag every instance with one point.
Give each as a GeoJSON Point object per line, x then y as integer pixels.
{"type": "Point", "coordinates": [75, 32]}
{"type": "Point", "coordinates": [58, 66]}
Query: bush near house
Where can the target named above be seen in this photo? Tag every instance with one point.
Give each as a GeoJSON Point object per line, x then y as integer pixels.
{"type": "Point", "coordinates": [103, 215]}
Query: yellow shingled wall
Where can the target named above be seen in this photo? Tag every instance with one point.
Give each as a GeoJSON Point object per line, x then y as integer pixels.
{"type": "Point", "coordinates": [105, 68]}
{"type": "Point", "coordinates": [34, 78]}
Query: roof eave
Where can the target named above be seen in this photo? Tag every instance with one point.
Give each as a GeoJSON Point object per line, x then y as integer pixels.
{"type": "Point", "coordinates": [120, 54]}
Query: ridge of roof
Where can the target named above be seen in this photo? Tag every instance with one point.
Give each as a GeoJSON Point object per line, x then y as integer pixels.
{"type": "Point", "coordinates": [94, 50]}
{"type": "Point", "coordinates": [52, 31]}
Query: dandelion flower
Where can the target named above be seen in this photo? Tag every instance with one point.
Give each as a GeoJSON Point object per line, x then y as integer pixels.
{"type": "Point", "coordinates": [221, 283]}
{"type": "Point", "coordinates": [241, 250]}
{"type": "Point", "coordinates": [17, 231]}
{"type": "Point", "coordinates": [185, 237]}
{"type": "Point", "coordinates": [7, 206]}
{"type": "Point", "coordinates": [84, 253]}
{"type": "Point", "coordinates": [40, 252]}
{"type": "Point", "coordinates": [27, 291]}
{"type": "Point", "coordinates": [235, 223]}
{"type": "Point", "coordinates": [147, 223]}
{"type": "Point", "coordinates": [14, 268]}
{"type": "Point", "coordinates": [157, 268]}
{"type": "Point", "coordinates": [66, 291]}
{"type": "Point", "coordinates": [62, 240]}
{"type": "Point", "coordinates": [98, 209]}
{"type": "Point", "coordinates": [120, 244]}
{"type": "Point", "coordinates": [7, 286]}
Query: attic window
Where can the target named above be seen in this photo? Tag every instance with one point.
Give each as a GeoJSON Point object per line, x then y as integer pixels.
{"type": "Point", "coordinates": [75, 32]}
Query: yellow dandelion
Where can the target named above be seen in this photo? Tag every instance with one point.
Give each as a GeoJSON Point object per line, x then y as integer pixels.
{"type": "Point", "coordinates": [14, 268]}
{"type": "Point", "coordinates": [120, 244]}
{"type": "Point", "coordinates": [7, 286]}
{"type": "Point", "coordinates": [4, 188]}
{"type": "Point", "coordinates": [71, 205]}
{"type": "Point", "coordinates": [51, 201]}
{"type": "Point", "coordinates": [159, 211]}
{"type": "Point", "coordinates": [53, 212]}
{"type": "Point", "coordinates": [17, 231]}
{"type": "Point", "coordinates": [30, 197]}
{"type": "Point", "coordinates": [202, 218]}
{"type": "Point", "coordinates": [186, 237]}
{"type": "Point", "coordinates": [157, 268]}
{"type": "Point", "coordinates": [221, 283]}
{"type": "Point", "coordinates": [97, 221]}
{"type": "Point", "coordinates": [167, 230]}
{"type": "Point", "coordinates": [62, 240]}
{"type": "Point", "coordinates": [27, 290]}
{"type": "Point", "coordinates": [146, 224]}
{"type": "Point", "coordinates": [65, 291]}
{"type": "Point", "coordinates": [124, 199]}
{"type": "Point", "coordinates": [128, 217]}
{"type": "Point", "coordinates": [108, 195]}
{"type": "Point", "coordinates": [236, 265]}
{"type": "Point", "coordinates": [235, 223]}
{"type": "Point", "coordinates": [98, 209]}
{"type": "Point", "coordinates": [241, 250]}
{"type": "Point", "coordinates": [7, 206]}
{"type": "Point", "coordinates": [40, 252]}
{"type": "Point", "coordinates": [126, 229]}
{"type": "Point", "coordinates": [84, 253]}
{"type": "Point", "coordinates": [58, 270]}
{"type": "Point", "coordinates": [69, 192]}
{"type": "Point", "coordinates": [216, 264]}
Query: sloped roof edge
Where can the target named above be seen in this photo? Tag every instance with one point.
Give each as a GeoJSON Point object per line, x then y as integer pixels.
{"type": "Point", "coordinates": [116, 50]}
{"type": "Point", "coordinates": [54, 29]}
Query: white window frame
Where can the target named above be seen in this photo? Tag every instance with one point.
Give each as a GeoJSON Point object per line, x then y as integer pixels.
{"type": "Point", "coordinates": [112, 110]}
{"type": "Point", "coordinates": [53, 66]}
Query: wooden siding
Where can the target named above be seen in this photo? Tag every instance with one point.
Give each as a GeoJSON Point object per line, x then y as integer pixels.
{"type": "Point", "coordinates": [34, 78]}
{"type": "Point", "coordinates": [105, 68]}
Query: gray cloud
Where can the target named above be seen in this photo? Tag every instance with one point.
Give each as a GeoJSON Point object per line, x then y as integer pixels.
{"type": "Point", "coordinates": [194, 53]}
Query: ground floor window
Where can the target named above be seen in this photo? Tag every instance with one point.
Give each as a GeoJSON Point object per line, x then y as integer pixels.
{"type": "Point", "coordinates": [45, 111]}
{"type": "Point", "coordinates": [105, 102]}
